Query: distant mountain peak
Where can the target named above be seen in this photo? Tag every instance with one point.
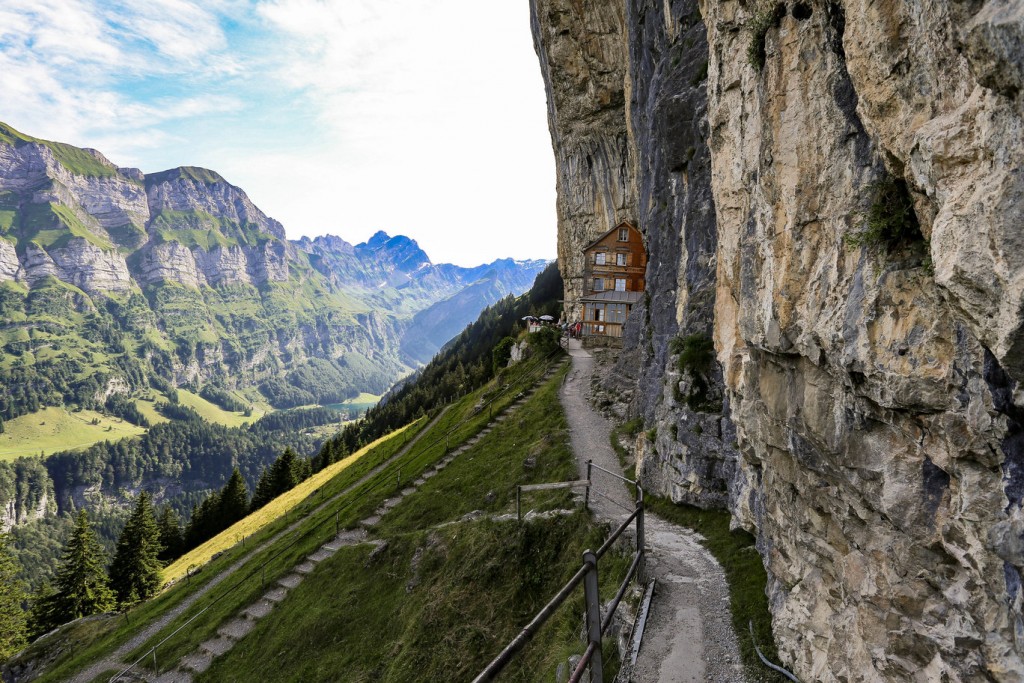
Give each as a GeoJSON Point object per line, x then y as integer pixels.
{"type": "Point", "coordinates": [196, 173]}
{"type": "Point", "coordinates": [402, 252]}
{"type": "Point", "coordinates": [379, 239]}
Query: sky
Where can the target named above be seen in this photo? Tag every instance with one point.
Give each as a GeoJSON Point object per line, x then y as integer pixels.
{"type": "Point", "coordinates": [418, 117]}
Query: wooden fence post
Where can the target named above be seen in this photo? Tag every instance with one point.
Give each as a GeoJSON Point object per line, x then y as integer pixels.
{"type": "Point", "coordinates": [593, 617]}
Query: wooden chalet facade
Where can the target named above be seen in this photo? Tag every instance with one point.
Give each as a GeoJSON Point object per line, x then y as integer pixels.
{"type": "Point", "coordinates": [615, 267]}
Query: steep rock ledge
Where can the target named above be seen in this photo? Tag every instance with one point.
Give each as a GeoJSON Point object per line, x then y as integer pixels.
{"type": "Point", "coordinates": [871, 422]}
{"type": "Point", "coordinates": [870, 413]}
{"type": "Point", "coordinates": [692, 458]}
{"type": "Point", "coordinates": [582, 52]}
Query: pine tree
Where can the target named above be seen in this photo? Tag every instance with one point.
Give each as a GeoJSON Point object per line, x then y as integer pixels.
{"type": "Point", "coordinates": [80, 583]}
{"type": "Point", "coordinates": [41, 618]}
{"type": "Point", "coordinates": [135, 571]}
{"type": "Point", "coordinates": [234, 500]}
{"type": "Point", "coordinates": [264, 492]}
{"type": "Point", "coordinates": [283, 474]}
{"type": "Point", "coordinates": [203, 523]}
{"type": "Point", "coordinates": [171, 537]}
{"type": "Point", "coordinates": [287, 471]}
{"type": "Point", "coordinates": [12, 596]}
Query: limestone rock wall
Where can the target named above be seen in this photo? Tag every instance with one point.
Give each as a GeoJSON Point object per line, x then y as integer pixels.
{"type": "Point", "coordinates": [582, 51]}
{"type": "Point", "coordinates": [10, 266]}
{"type": "Point", "coordinates": [90, 268]}
{"type": "Point", "coordinates": [177, 190]}
{"type": "Point", "coordinates": [870, 417]}
{"type": "Point", "coordinates": [874, 398]}
{"type": "Point", "coordinates": [692, 457]}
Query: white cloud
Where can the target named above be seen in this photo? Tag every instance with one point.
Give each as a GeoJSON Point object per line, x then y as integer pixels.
{"type": "Point", "coordinates": [425, 117]}
{"type": "Point", "coordinates": [64, 64]}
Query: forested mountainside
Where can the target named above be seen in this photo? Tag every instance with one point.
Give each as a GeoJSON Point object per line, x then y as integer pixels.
{"type": "Point", "coordinates": [182, 463]}
{"type": "Point", "coordinates": [830, 345]}
{"type": "Point", "coordinates": [114, 282]}
{"type": "Point", "coordinates": [123, 292]}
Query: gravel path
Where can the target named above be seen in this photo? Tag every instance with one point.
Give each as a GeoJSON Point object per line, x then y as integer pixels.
{"type": "Point", "coordinates": [116, 659]}
{"type": "Point", "coordinates": [689, 635]}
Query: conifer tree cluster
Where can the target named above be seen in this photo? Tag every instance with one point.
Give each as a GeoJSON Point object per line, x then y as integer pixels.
{"type": "Point", "coordinates": [83, 585]}
{"type": "Point", "coordinates": [80, 586]}
{"type": "Point", "coordinates": [135, 571]}
{"type": "Point", "coordinates": [286, 472]}
{"type": "Point", "coordinates": [13, 625]}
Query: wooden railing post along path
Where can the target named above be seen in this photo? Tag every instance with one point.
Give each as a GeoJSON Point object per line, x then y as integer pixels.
{"type": "Point", "coordinates": [592, 658]}
{"type": "Point", "coordinates": [641, 549]}
{"type": "Point", "coordinates": [590, 468]}
{"type": "Point", "coordinates": [593, 600]}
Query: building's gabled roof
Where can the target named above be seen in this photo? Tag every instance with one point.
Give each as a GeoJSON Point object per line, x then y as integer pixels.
{"type": "Point", "coordinates": [594, 243]}
{"type": "Point", "coordinates": [612, 297]}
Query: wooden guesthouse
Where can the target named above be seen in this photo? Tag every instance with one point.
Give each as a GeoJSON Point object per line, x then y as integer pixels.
{"type": "Point", "coordinates": [613, 280]}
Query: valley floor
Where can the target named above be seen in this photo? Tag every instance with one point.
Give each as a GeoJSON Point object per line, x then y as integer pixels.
{"type": "Point", "coordinates": [689, 636]}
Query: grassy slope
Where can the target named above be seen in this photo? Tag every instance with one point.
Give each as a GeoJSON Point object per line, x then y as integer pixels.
{"type": "Point", "coordinates": [76, 160]}
{"type": "Point", "coordinates": [92, 640]}
{"type": "Point", "coordinates": [461, 420]}
{"type": "Point", "coordinates": [498, 563]}
{"type": "Point", "coordinates": [441, 599]}
{"type": "Point", "coordinates": [211, 412]}
{"type": "Point", "coordinates": [276, 508]}
{"type": "Point", "coordinates": [56, 429]}
{"type": "Point", "coordinates": [147, 406]}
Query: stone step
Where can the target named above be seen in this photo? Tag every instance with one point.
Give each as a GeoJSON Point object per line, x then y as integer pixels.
{"type": "Point", "coordinates": [236, 629]}
{"type": "Point", "coordinates": [173, 676]}
{"type": "Point", "coordinates": [322, 554]}
{"type": "Point", "coordinates": [371, 520]}
{"type": "Point", "coordinates": [306, 567]}
{"type": "Point", "coordinates": [276, 595]}
{"type": "Point", "coordinates": [197, 661]}
{"type": "Point", "coordinates": [290, 581]}
{"type": "Point", "coordinates": [350, 537]}
{"type": "Point", "coordinates": [408, 490]}
{"type": "Point", "coordinates": [258, 610]}
{"type": "Point", "coordinates": [217, 646]}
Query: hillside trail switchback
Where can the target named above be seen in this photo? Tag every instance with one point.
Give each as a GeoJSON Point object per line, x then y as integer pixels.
{"type": "Point", "coordinates": [689, 635]}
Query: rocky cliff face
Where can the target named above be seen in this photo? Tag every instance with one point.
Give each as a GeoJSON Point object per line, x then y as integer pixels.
{"type": "Point", "coordinates": [179, 275]}
{"type": "Point", "coordinates": [583, 58]}
{"type": "Point", "coordinates": [872, 381]}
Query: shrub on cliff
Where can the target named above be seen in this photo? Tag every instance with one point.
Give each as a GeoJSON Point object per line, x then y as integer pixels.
{"type": "Point", "coordinates": [890, 220]}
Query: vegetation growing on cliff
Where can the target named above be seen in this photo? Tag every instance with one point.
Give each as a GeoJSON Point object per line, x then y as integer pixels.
{"type": "Point", "coordinates": [766, 17]}
{"type": "Point", "coordinates": [696, 361]}
{"type": "Point", "coordinates": [890, 220]}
